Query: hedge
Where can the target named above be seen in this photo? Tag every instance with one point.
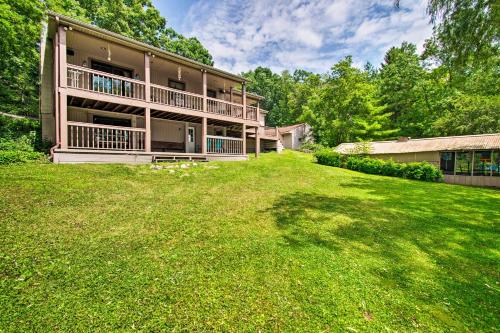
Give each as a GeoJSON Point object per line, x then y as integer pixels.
{"type": "Point", "coordinates": [417, 170]}
{"type": "Point", "coordinates": [329, 157]}
{"type": "Point", "coordinates": [16, 156]}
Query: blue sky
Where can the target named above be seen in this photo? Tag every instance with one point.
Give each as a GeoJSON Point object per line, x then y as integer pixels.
{"type": "Point", "coordinates": [311, 35]}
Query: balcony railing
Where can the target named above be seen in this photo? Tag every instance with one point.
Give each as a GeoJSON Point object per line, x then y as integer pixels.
{"type": "Point", "coordinates": [105, 83]}
{"type": "Point", "coordinates": [269, 131]}
{"type": "Point", "coordinates": [224, 145]}
{"type": "Point", "coordinates": [105, 137]}
{"type": "Point", "coordinates": [251, 112]}
{"type": "Point", "coordinates": [218, 106]}
{"type": "Point", "coordinates": [177, 98]}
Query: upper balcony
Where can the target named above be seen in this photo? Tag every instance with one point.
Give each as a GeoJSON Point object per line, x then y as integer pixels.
{"type": "Point", "coordinates": [112, 70]}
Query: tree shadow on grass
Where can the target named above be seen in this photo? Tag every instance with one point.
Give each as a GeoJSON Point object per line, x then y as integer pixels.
{"type": "Point", "coordinates": [412, 236]}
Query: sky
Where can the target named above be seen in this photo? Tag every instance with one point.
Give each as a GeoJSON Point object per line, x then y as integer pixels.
{"type": "Point", "coordinates": [297, 34]}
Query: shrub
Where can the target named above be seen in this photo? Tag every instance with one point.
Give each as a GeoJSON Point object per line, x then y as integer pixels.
{"type": "Point", "coordinates": [327, 156]}
{"type": "Point", "coordinates": [311, 147]}
{"type": "Point", "coordinates": [418, 170]}
{"type": "Point", "coordinates": [16, 156]}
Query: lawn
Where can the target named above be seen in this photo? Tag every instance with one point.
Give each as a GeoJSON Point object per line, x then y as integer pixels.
{"type": "Point", "coordinates": [277, 243]}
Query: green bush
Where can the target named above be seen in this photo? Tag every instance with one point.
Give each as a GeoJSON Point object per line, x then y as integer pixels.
{"type": "Point", "coordinates": [418, 170]}
{"type": "Point", "coordinates": [16, 156]}
{"type": "Point", "coordinates": [327, 156]}
{"type": "Point", "coordinates": [311, 147]}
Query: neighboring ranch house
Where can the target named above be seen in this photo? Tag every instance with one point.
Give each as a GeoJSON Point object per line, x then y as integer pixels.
{"type": "Point", "coordinates": [467, 160]}
{"type": "Point", "coordinates": [292, 137]}
{"type": "Point", "coordinates": [108, 98]}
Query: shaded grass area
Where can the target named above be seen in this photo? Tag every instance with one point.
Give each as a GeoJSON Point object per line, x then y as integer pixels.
{"type": "Point", "coordinates": [274, 244]}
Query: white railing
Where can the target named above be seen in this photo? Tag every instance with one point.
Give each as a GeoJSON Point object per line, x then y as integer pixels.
{"type": "Point", "coordinates": [177, 98]}
{"type": "Point", "coordinates": [104, 83]}
{"type": "Point", "coordinates": [218, 106]}
{"type": "Point", "coordinates": [94, 136]}
{"type": "Point", "coordinates": [251, 112]}
{"type": "Point", "coordinates": [224, 145]}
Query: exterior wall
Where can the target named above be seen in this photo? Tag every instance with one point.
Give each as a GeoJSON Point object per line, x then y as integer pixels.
{"type": "Point", "coordinates": [287, 140]}
{"type": "Point", "coordinates": [431, 157]}
{"type": "Point", "coordinates": [100, 157]}
{"type": "Point", "coordinates": [473, 180]}
{"type": "Point", "coordinates": [47, 111]}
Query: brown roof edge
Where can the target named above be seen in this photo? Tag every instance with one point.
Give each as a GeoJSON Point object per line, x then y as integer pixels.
{"type": "Point", "coordinates": [142, 46]}
{"type": "Point", "coordinates": [286, 129]}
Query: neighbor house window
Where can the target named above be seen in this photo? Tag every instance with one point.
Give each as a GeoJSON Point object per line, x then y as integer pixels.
{"type": "Point", "coordinates": [495, 163]}
{"type": "Point", "coordinates": [447, 162]}
{"type": "Point", "coordinates": [464, 163]}
{"type": "Point", "coordinates": [482, 163]}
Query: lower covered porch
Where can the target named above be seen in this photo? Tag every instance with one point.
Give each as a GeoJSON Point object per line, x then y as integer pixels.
{"type": "Point", "coordinates": [118, 134]}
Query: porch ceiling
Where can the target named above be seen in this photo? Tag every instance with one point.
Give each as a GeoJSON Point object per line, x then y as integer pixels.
{"type": "Point", "coordinates": [104, 106]}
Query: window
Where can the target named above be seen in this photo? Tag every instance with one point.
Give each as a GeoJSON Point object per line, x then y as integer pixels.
{"type": "Point", "coordinates": [112, 121]}
{"type": "Point", "coordinates": [191, 134]}
{"type": "Point", "coordinates": [176, 85]}
{"type": "Point", "coordinates": [482, 163]}
{"type": "Point", "coordinates": [108, 85]}
{"type": "Point", "coordinates": [211, 93]}
{"type": "Point", "coordinates": [495, 163]}
{"type": "Point", "coordinates": [464, 163]}
{"type": "Point", "coordinates": [447, 163]}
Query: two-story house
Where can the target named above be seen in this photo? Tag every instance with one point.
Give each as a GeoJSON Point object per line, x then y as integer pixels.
{"type": "Point", "coordinates": [108, 98]}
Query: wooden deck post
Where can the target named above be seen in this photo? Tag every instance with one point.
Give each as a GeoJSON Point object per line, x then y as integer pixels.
{"type": "Point", "coordinates": [63, 118]}
{"type": "Point", "coordinates": [63, 75]}
{"type": "Point", "coordinates": [204, 135]}
{"type": "Point", "coordinates": [257, 117]}
{"type": "Point", "coordinates": [257, 142]}
{"type": "Point", "coordinates": [244, 98]}
{"type": "Point", "coordinates": [231, 94]}
{"type": "Point", "coordinates": [204, 79]}
{"type": "Point", "coordinates": [244, 137]}
{"type": "Point", "coordinates": [147, 116]}
{"type": "Point", "coordinates": [147, 95]}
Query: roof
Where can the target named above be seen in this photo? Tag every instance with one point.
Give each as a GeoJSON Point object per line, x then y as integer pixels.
{"type": "Point", "coordinates": [106, 34]}
{"type": "Point", "coordinates": [447, 143]}
{"type": "Point", "coordinates": [288, 129]}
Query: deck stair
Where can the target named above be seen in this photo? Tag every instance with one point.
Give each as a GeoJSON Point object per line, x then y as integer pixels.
{"type": "Point", "coordinates": [179, 158]}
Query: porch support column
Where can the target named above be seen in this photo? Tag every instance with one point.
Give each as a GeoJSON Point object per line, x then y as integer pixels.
{"type": "Point", "coordinates": [257, 142]}
{"type": "Point", "coordinates": [258, 111]}
{"type": "Point", "coordinates": [147, 118]}
{"type": "Point", "coordinates": [63, 119]}
{"type": "Point", "coordinates": [62, 95]}
{"type": "Point", "coordinates": [231, 94]}
{"type": "Point", "coordinates": [204, 135]}
{"type": "Point", "coordinates": [244, 98]}
{"type": "Point", "coordinates": [147, 77]}
{"type": "Point", "coordinates": [244, 137]}
{"type": "Point", "coordinates": [147, 111]}
{"type": "Point", "coordinates": [204, 79]}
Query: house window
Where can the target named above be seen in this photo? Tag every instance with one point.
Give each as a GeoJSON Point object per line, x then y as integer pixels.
{"type": "Point", "coordinates": [447, 162]}
{"type": "Point", "coordinates": [495, 163]}
{"type": "Point", "coordinates": [108, 85]}
{"type": "Point", "coordinates": [211, 93]}
{"type": "Point", "coordinates": [112, 121]}
{"type": "Point", "coordinates": [176, 85]}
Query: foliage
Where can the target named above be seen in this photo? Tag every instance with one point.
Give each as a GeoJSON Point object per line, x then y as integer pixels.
{"type": "Point", "coordinates": [310, 147]}
{"type": "Point", "coordinates": [327, 156]}
{"type": "Point", "coordinates": [122, 248]}
{"type": "Point", "coordinates": [19, 156]}
{"type": "Point", "coordinates": [417, 170]}
{"type": "Point", "coordinates": [20, 28]}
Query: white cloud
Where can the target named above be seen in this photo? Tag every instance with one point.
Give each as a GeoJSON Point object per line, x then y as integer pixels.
{"type": "Point", "coordinates": [312, 35]}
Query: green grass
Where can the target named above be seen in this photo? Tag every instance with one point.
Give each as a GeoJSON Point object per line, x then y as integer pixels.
{"type": "Point", "coordinates": [272, 244]}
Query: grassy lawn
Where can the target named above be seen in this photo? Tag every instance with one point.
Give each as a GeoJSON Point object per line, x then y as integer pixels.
{"type": "Point", "coordinates": [273, 244]}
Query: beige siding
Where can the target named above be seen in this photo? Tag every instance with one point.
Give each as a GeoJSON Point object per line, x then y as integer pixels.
{"type": "Point", "coordinates": [431, 157]}
{"type": "Point", "coordinates": [47, 112]}
{"type": "Point", "coordinates": [473, 180]}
